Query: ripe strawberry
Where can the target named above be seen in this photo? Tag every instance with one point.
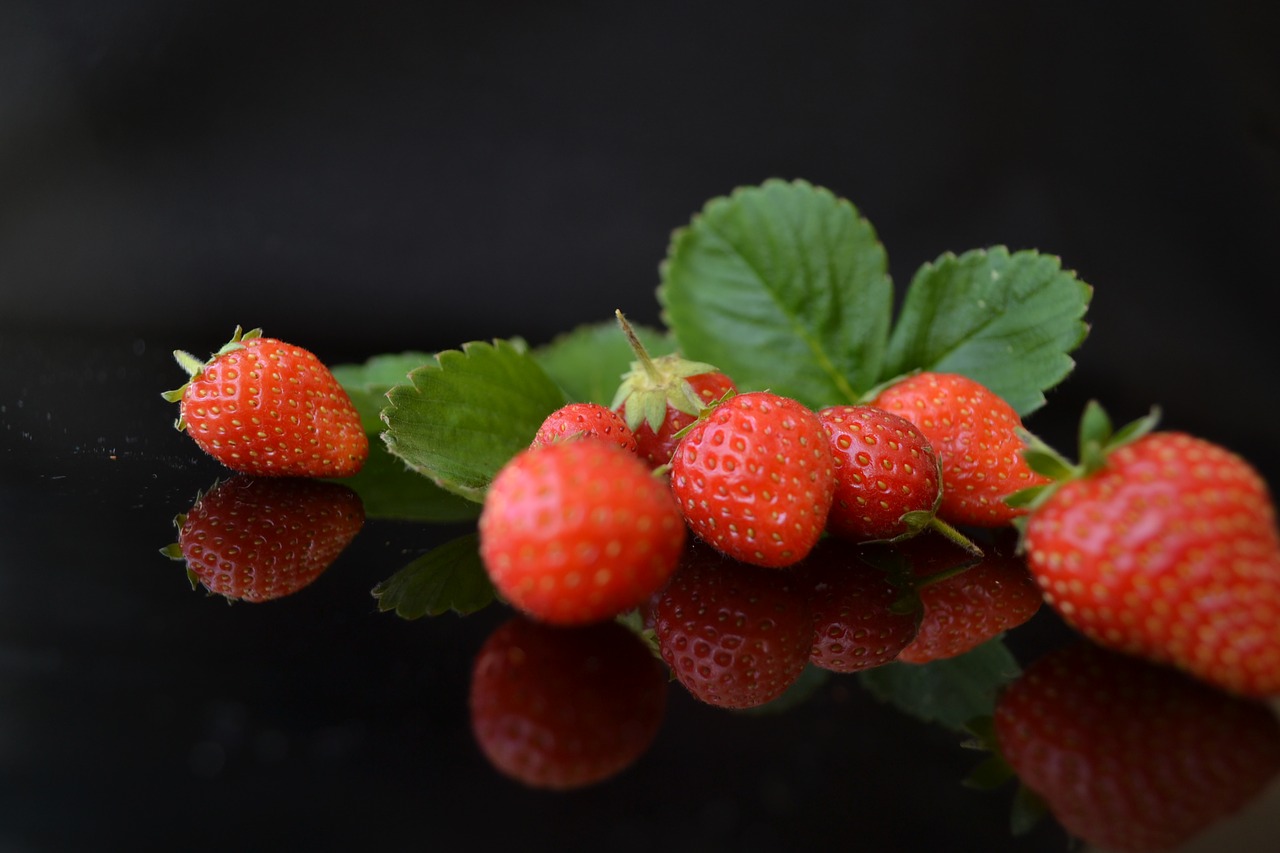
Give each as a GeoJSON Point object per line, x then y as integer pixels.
{"type": "Point", "coordinates": [976, 437]}
{"type": "Point", "coordinates": [579, 531]}
{"type": "Point", "coordinates": [857, 623]}
{"type": "Point", "coordinates": [563, 708]}
{"type": "Point", "coordinates": [755, 479]}
{"type": "Point", "coordinates": [591, 420]}
{"type": "Point", "coordinates": [735, 635]}
{"type": "Point", "coordinates": [964, 600]}
{"type": "Point", "coordinates": [257, 539]}
{"type": "Point", "coordinates": [661, 396]}
{"type": "Point", "coordinates": [1165, 546]}
{"type": "Point", "coordinates": [262, 406]}
{"type": "Point", "coordinates": [1132, 757]}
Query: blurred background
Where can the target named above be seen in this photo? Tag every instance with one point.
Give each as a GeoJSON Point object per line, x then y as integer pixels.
{"type": "Point", "coordinates": [370, 177]}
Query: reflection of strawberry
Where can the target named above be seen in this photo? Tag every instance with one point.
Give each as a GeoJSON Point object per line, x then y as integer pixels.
{"type": "Point", "coordinates": [735, 635]}
{"type": "Point", "coordinates": [257, 539]}
{"type": "Point", "coordinates": [563, 708]}
{"type": "Point", "coordinates": [965, 601]}
{"type": "Point", "coordinates": [1130, 756]}
{"type": "Point", "coordinates": [856, 623]}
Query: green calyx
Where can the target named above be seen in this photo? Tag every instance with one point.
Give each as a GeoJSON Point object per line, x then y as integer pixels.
{"type": "Point", "coordinates": [194, 367]}
{"type": "Point", "coordinates": [654, 383]}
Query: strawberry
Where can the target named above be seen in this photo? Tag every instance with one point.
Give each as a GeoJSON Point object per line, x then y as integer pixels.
{"type": "Point", "coordinates": [857, 623]}
{"type": "Point", "coordinates": [755, 478]}
{"type": "Point", "coordinates": [661, 396]}
{"type": "Point", "coordinates": [965, 601]}
{"type": "Point", "coordinates": [591, 420]}
{"type": "Point", "coordinates": [262, 406]}
{"type": "Point", "coordinates": [1163, 545]}
{"type": "Point", "coordinates": [579, 531]}
{"type": "Point", "coordinates": [977, 437]}
{"type": "Point", "coordinates": [563, 708]}
{"type": "Point", "coordinates": [735, 635]}
{"type": "Point", "coordinates": [1129, 756]}
{"type": "Point", "coordinates": [258, 539]}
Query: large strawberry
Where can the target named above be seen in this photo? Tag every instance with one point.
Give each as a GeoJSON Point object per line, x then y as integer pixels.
{"type": "Point", "coordinates": [262, 406]}
{"type": "Point", "coordinates": [755, 478]}
{"type": "Point", "coordinates": [735, 635]}
{"type": "Point", "coordinates": [1129, 756]}
{"type": "Point", "coordinates": [579, 531]}
{"type": "Point", "coordinates": [585, 420]}
{"type": "Point", "coordinates": [1162, 545]}
{"type": "Point", "coordinates": [977, 437]}
{"type": "Point", "coordinates": [562, 708]}
{"type": "Point", "coordinates": [258, 539]}
{"type": "Point", "coordinates": [661, 396]}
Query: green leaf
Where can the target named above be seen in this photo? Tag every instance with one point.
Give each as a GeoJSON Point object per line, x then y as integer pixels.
{"type": "Point", "coordinates": [463, 417]}
{"type": "Point", "coordinates": [450, 577]}
{"type": "Point", "coordinates": [588, 362]}
{"type": "Point", "coordinates": [782, 286]}
{"type": "Point", "coordinates": [389, 490]}
{"type": "Point", "coordinates": [950, 692]}
{"type": "Point", "coordinates": [1005, 320]}
{"type": "Point", "coordinates": [367, 384]}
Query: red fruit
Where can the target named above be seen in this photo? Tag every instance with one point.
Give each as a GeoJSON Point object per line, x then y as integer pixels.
{"type": "Point", "coordinates": [975, 434]}
{"type": "Point", "coordinates": [1129, 756]}
{"type": "Point", "coordinates": [1169, 551]}
{"type": "Point", "coordinates": [661, 396]}
{"type": "Point", "coordinates": [888, 480]}
{"type": "Point", "coordinates": [857, 623]}
{"type": "Point", "coordinates": [562, 708]}
{"type": "Point", "coordinates": [262, 406]}
{"type": "Point", "coordinates": [579, 531]}
{"type": "Point", "coordinates": [255, 539]}
{"type": "Point", "coordinates": [964, 600]}
{"type": "Point", "coordinates": [755, 479]}
{"type": "Point", "coordinates": [735, 635]}
{"type": "Point", "coordinates": [590, 420]}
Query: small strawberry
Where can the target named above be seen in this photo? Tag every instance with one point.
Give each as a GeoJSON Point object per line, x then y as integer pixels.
{"type": "Point", "coordinates": [755, 478]}
{"type": "Point", "coordinates": [262, 406]}
{"type": "Point", "coordinates": [1129, 756]}
{"type": "Point", "coordinates": [258, 539]}
{"type": "Point", "coordinates": [579, 531]}
{"type": "Point", "coordinates": [591, 420]}
{"type": "Point", "coordinates": [735, 635]}
{"type": "Point", "coordinates": [563, 708]}
{"type": "Point", "coordinates": [1165, 546]}
{"type": "Point", "coordinates": [977, 437]}
{"type": "Point", "coordinates": [661, 396]}
{"type": "Point", "coordinates": [857, 621]}
{"type": "Point", "coordinates": [965, 601]}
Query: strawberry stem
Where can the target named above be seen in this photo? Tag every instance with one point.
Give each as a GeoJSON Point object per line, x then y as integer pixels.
{"type": "Point", "coordinates": [642, 354]}
{"type": "Point", "coordinates": [955, 536]}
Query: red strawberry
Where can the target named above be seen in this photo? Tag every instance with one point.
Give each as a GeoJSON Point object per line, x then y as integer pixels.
{"type": "Point", "coordinates": [735, 635]}
{"type": "Point", "coordinates": [1165, 546]}
{"type": "Point", "coordinates": [857, 623]}
{"type": "Point", "coordinates": [1129, 756]}
{"type": "Point", "coordinates": [562, 708]}
{"type": "Point", "coordinates": [262, 406]}
{"type": "Point", "coordinates": [579, 531]}
{"type": "Point", "coordinates": [964, 600]}
{"type": "Point", "coordinates": [976, 437]}
{"type": "Point", "coordinates": [258, 539]}
{"type": "Point", "coordinates": [591, 420]}
{"type": "Point", "coordinates": [755, 479]}
{"type": "Point", "coordinates": [661, 396]}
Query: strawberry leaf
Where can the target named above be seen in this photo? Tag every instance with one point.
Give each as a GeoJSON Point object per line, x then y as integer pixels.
{"type": "Point", "coordinates": [782, 286]}
{"type": "Point", "coordinates": [450, 577]}
{"type": "Point", "coordinates": [588, 362]}
{"type": "Point", "coordinates": [462, 417]}
{"type": "Point", "coordinates": [951, 692]}
{"type": "Point", "coordinates": [1005, 320]}
{"type": "Point", "coordinates": [391, 491]}
{"type": "Point", "coordinates": [367, 384]}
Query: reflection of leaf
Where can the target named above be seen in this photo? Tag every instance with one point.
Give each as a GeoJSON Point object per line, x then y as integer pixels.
{"type": "Point", "coordinates": [588, 362]}
{"type": "Point", "coordinates": [951, 692]}
{"type": "Point", "coordinates": [450, 577]}
{"type": "Point", "coordinates": [367, 384]}
{"type": "Point", "coordinates": [392, 491]}
{"type": "Point", "coordinates": [461, 418]}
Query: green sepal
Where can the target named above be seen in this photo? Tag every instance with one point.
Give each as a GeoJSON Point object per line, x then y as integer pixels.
{"type": "Point", "coordinates": [194, 367]}
{"type": "Point", "coordinates": [173, 551]}
{"type": "Point", "coordinates": [1029, 808]}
